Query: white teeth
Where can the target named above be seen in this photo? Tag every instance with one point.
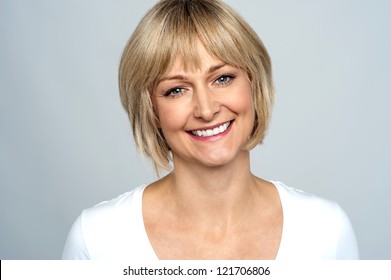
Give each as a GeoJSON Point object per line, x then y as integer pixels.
{"type": "Point", "coordinates": [211, 132]}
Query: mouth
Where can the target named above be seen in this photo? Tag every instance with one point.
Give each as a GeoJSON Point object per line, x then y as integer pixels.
{"type": "Point", "coordinates": [211, 131]}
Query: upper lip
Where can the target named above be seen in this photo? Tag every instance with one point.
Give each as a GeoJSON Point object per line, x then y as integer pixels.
{"type": "Point", "coordinates": [210, 127]}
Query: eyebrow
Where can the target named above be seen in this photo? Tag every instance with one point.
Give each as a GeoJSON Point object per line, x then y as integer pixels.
{"type": "Point", "coordinates": [211, 69]}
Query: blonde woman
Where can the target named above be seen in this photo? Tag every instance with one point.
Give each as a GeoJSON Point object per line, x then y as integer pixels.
{"type": "Point", "coordinates": [196, 82]}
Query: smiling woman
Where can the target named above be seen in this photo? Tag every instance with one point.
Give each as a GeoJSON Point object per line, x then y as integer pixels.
{"type": "Point", "coordinates": [196, 82]}
{"type": "Point", "coordinates": [171, 33]}
{"type": "Point", "coordinates": [193, 104]}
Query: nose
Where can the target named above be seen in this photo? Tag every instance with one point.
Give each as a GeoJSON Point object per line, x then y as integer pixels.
{"type": "Point", "coordinates": [206, 105]}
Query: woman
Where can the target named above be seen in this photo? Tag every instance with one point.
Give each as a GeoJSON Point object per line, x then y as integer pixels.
{"type": "Point", "coordinates": [196, 82]}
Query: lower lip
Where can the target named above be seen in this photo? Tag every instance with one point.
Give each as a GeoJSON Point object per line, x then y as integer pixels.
{"type": "Point", "coordinates": [214, 137]}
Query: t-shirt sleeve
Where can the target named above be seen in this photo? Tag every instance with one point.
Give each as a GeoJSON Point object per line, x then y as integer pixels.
{"type": "Point", "coordinates": [347, 248]}
{"type": "Point", "coordinates": [75, 247]}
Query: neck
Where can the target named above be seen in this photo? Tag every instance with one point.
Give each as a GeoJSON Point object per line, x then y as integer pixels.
{"type": "Point", "coordinates": [217, 196]}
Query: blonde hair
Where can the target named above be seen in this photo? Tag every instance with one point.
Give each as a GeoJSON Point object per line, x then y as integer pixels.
{"type": "Point", "coordinates": [170, 28]}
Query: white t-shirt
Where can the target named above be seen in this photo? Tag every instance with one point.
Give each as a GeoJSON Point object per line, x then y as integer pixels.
{"type": "Point", "coordinates": [313, 229]}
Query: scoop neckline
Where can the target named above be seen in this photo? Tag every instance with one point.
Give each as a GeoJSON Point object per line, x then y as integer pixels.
{"type": "Point", "coordinates": [279, 187]}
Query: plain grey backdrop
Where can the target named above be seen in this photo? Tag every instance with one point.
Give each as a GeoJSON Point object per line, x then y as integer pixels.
{"type": "Point", "coordinates": [65, 141]}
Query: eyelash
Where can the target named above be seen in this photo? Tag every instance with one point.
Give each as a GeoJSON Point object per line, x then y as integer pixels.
{"type": "Point", "coordinates": [230, 78]}
{"type": "Point", "coordinates": [170, 92]}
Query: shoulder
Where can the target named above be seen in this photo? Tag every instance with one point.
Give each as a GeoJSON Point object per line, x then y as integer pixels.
{"type": "Point", "coordinates": [315, 225]}
{"type": "Point", "coordinates": [114, 219]}
{"type": "Point", "coordinates": [305, 203]}
{"type": "Point", "coordinates": [108, 229]}
{"type": "Point", "coordinates": [121, 205]}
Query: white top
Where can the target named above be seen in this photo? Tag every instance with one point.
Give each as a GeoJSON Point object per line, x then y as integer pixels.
{"type": "Point", "coordinates": [313, 229]}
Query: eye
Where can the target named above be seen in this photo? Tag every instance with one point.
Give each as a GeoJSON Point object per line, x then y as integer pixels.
{"type": "Point", "coordinates": [174, 92]}
{"type": "Point", "coordinates": [224, 80]}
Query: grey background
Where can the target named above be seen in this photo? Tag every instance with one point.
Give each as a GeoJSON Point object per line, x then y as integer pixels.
{"type": "Point", "coordinates": [65, 142]}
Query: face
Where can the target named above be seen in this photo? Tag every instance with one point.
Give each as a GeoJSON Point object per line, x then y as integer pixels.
{"type": "Point", "coordinates": [206, 114]}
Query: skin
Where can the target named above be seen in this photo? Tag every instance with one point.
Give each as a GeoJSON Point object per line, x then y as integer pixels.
{"type": "Point", "coordinates": [210, 206]}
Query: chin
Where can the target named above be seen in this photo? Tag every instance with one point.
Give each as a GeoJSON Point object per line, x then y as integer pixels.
{"type": "Point", "coordinates": [221, 159]}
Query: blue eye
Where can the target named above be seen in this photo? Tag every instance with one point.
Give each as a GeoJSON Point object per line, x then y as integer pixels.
{"type": "Point", "coordinates": [174, 92]}
{"type": "Point", "coordinates": [225, 79]}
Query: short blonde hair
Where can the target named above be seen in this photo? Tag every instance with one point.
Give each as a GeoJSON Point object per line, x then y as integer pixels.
{"type": "Point", "coordinates": [170, 28]}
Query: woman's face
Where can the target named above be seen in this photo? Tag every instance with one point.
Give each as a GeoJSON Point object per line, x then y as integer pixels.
{"type": "Point", "coordinates": [206, 114]}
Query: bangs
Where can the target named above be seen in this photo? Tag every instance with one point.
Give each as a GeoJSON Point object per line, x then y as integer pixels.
{"type": "Point", "coordinates": [179, 26]}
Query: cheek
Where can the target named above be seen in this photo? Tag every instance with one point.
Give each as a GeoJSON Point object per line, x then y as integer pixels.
{"type": "Point", "coordinates": [171, 117]}
{"type": "Point", "coordinates": [246, 104]}
{"type": "Point", "coordinates": [164, 113]}
{"type": "Point", "coordinates": [242, 102]}
{"type": "Point", "coordinates": [243, 105]}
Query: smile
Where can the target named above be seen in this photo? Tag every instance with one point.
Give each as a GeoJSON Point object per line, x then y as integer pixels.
{"type": "Point", "coordinates": [212, 131]}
